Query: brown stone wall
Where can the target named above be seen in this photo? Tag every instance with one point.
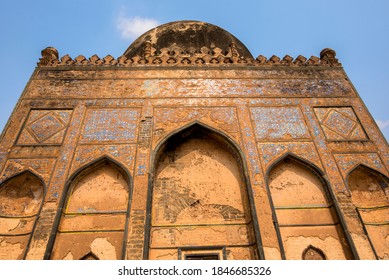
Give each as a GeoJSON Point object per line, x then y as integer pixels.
{"type": "Point", "coordinates": [71, 116]}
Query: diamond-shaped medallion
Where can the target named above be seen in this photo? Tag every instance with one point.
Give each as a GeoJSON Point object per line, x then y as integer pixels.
{"type": "Point", "coordinates": [339, 123]}
{"type": "Point", "coordinates": [45, 127]}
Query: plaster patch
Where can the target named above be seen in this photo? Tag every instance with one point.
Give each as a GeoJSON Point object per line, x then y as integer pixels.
{"type": "Point", "coordinates": [103, 249]}
{"type": "Point", "coordinates": [272, 253]}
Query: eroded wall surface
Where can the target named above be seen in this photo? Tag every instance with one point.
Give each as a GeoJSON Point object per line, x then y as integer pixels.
{"type": "Point", "coordinates": [368, 195]}
{"type": "Point", "coordinates": [305, 215]}
{"type": "Point", "coordinates": [200, 199]}
{"type": "Point", "coordinates": [70, 117]}
{"type": "Point", "coordinates": [93, 220]}
{"type": "Point", "coordinates": [20, 200]}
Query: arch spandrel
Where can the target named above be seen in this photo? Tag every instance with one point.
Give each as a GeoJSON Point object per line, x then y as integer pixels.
{"type": "Point", "coordinates": [170, 120]}
{"type": "Point", "coordinates": [85, 156]}
{"type": "Point", "coordinates": [348, 162]}
{"type": "Point", "coordinates": [41, 168]}
{"type": "Point", "coordinates": [273, 154]}
{"type": "Point", "coordinates": [164, 133]}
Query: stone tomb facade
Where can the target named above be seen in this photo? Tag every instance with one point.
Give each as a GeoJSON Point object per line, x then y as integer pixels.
{"type": "Point", "coordinates": [187, 147]}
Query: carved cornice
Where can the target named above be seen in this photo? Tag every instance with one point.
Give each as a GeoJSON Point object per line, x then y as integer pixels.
{"type": "Point", "coordinates": [174, 56]}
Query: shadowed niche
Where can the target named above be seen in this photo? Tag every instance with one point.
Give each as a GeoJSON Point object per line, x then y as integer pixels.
{"type": "Point", "coordinates": [312, 253]}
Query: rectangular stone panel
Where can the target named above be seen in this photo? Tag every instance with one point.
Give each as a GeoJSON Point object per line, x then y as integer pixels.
{"type": "Point", "coordinates": [200, 236]}
{"type": "Point", "coordinates": [278, 123]}
{"type": "Point", "coordinates": [303, 216]}
{"type": "Point", "coordinates": [378, 216]}
{"type": "Point", "coordinates": [110, 125]}
{"type": "Point", "coordinates": [92, 222]}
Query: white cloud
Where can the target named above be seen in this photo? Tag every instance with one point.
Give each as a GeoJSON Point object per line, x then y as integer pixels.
{"type": "Point", "coordinates": [133, 27]}
{"type": "Point", "coordinates": [382, 124]}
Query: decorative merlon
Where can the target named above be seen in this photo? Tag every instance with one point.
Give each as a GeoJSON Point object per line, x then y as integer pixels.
{"type": "Point", "coordinates": [174, 56]}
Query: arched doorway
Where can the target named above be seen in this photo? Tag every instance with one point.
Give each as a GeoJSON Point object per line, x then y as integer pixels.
{"type": "Point", "coordinates": [20, 202]}
{"type": "Point", "coordinates": [367, 188]}
{"type": "Point", "coordinates": [201, 205]}
{"type": "Point", "coordinates": [305, 214]}
{"type": "Point", "coordinates": [94, 214]}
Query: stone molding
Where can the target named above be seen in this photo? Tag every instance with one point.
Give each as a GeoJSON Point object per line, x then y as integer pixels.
{"type": "Point", "coordinates": [175, 56]}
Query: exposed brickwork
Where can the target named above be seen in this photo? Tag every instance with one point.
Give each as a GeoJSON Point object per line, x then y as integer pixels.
{"type": "Point", "coordinates": [135, 242]}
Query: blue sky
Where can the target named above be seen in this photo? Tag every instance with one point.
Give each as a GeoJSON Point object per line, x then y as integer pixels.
{"type": "Point", "coordinates": [357, 30]}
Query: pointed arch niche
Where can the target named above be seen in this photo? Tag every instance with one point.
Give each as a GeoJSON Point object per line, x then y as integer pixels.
{"type": "Point", "coordinates": [200, 197]}
{"type": "Point", "coordinates": [304, 212]}
{"type": "Point", "coordinates": [369, 193]}
{"type": "Point", "coordinates": [20, 202]}
{"type": "Point", "coordinates": [94, 214]}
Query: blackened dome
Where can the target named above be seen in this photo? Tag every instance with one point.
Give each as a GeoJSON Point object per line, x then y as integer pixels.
{"type": "Point", "coordinates": [187, 35]}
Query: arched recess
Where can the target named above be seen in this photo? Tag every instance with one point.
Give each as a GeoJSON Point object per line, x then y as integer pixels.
{"type": "Point", "coordinates": [94, 213]}
{"type": "Point", "coordinates": [304, 210]}
{"type": "Point", "coordinates": [369, 193]}
{"type": "Point", "coordinates": [312, 253]}
{"type": "Point", "coordinates": [200, 198]}
{"type": "Point", "coordinates": [21, 199]}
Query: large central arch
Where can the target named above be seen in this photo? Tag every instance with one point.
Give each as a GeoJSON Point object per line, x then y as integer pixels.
{"type": "Point", "coordinates": [200, 202]}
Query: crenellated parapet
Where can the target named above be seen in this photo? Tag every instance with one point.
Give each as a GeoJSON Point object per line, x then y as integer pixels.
{"type": "Point", "coordinates": [175, 56]}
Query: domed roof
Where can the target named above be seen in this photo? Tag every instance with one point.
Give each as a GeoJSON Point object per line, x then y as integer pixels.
{"type": "Point", "coordinates": [187, 35]}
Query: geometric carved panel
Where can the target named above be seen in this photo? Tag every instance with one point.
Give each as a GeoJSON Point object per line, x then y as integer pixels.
{"type": "Point", "coordinates": [340, 124]}
{"type": "Point", "coordinates": [279, 123]}
{"type": "Point", "coordinates": [110, 125]}
{"type": "Point", "coordinates": [45, 127]}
